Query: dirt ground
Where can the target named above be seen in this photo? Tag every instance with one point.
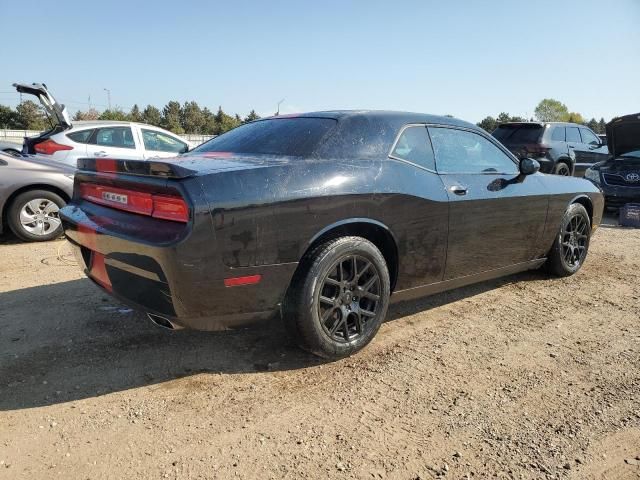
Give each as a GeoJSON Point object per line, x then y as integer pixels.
{"type": "Point", "coordinates": [525, 377]}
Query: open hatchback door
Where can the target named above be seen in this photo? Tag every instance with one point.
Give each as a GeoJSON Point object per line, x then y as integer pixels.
{"type": "Point", "coordinates": [57, 114]}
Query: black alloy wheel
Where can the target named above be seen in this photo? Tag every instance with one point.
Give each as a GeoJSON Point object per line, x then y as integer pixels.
{"type": "Point", "coordinates": [349, 298]}
{"type": "Point", "coordinates": [571, 245]}
{"type": "Point", "coordinates": [574, 241]}
{"type": "Point", "coordinates": [338, 297]}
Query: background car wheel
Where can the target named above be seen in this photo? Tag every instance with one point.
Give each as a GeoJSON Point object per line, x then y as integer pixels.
{"type": "Point", "coordinates": [562, 169]}
{"type": "Point", "coordinates": [572, 242]}
{"type": "Point", "coordinates": [338, 298]}
{"type": "Point", "coordinates": [33, 216]}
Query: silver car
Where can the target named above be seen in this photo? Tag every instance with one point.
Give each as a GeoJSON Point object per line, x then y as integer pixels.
{"type": "Point", "coordinates": [32, 191]}
{"type": "Point", "coordinates": [67, 141]}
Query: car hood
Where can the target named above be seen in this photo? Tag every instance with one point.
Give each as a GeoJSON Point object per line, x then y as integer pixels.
{"type": "Point", "coordinates": [623, 134]}
{"type": "Point", "coordinates": [57, 112]}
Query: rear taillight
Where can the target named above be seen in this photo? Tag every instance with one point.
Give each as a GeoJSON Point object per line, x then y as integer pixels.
{"type": "Point", "coordinates": [167, 207]}
{"type": "Point", "coordinates": [49, 147]}
{"type": "Point", "coordinates": [170, 208]}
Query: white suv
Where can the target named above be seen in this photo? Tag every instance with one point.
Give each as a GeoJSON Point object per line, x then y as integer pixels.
{"type": "Point", "coordinates": [66, 142]}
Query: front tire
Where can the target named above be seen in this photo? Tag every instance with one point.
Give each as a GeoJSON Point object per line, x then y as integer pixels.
{"type": "Point", "coordinates": [338, 298]}
{"type": "Point", "coordinates": [571, 244]}
{"type": "Point", "coordinates": [33, 216]}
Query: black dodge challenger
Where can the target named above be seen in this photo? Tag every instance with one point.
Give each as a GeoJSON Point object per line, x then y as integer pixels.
{"type": "Point", "coordinates": [323, 218]}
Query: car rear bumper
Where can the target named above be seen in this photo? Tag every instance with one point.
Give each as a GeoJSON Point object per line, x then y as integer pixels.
{"type": "Point", "coordinates": [176, 275]}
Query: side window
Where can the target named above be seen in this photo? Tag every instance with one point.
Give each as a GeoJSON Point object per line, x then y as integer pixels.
{"type": "Point", "coordinates": [558, 134]}
{"type": "Point", "coordinates": [82, 136]}
{"type": "Point", "coordinates": [460, 151]}
{"type": "Point", "coordinates": [573, 135]}
{"type": "Point", "coordinates": [118, 137]}
{"type": "Point", "coordinates": [414, 146]}
{"type": "Point", "coordinates": [160, 142]}
{"type": "Point", "coordinates": [589, 137]}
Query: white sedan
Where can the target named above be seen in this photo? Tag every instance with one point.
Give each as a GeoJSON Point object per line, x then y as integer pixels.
{"type": "Point", "coordinates": [66, 141]}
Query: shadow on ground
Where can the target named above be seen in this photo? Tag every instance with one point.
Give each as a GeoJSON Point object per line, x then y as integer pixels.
{"type": "Point", "coordinates": [68, 341]}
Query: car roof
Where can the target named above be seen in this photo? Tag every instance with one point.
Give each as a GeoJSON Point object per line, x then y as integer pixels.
{"type": "Point", "coordinates": [106, 123]}
{"type": "Point", "coordinates": [542, 124]}
{"type": "Point", "coordinates": [392, 116]}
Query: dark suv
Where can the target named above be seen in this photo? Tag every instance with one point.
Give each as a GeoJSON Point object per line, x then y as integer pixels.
{"type": "Point", "coordinates": [561, 148]}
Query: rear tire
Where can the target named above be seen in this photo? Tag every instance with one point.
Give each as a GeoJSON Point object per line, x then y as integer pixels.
{"type": "Point", "coordinates": [562, 169]}
{"type": "Point", "coordinates": [338, 298]}
{"type": "Point", "coordinates": [33, 216]}
{"type": "Point", "coordinates": [571, 245]}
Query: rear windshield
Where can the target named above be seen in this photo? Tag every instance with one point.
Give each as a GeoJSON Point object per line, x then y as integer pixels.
{"type": "Point", "coordinates": [297, 137]}
{"type": "Point", "coordinates": [518, 133]}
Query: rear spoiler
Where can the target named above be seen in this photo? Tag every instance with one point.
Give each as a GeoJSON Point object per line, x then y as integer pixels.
{"type": "Point", "coordinates": [142, 168]}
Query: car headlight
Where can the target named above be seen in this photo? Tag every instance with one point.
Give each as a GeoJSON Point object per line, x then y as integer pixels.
{"type": "Point", "coordinates": [593, 175]}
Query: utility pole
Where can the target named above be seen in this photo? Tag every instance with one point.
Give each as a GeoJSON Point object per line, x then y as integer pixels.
{"type": "Point", "coordinates": [108, 97]}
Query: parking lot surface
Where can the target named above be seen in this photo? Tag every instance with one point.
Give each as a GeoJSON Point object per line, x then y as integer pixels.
{"type": "Point", "coordinates": [523, 377]}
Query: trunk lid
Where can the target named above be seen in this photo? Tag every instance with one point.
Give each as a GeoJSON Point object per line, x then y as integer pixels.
{"type": "Point", "coordinates": [56, 111]}
{"type": "Point", "coordinates": [623, 136]}
{"type": "Point", "coordinates": [184, 166]}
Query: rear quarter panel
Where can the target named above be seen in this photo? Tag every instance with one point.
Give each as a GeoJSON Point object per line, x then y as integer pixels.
{"type": "Point", "coordinates": [270, 215]}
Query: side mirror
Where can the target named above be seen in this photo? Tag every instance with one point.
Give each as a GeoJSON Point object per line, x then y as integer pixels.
{"type": "Point", "coordinates": [529, 166]}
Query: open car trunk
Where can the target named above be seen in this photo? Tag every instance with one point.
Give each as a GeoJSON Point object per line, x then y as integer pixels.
{"type": "Point", "coordinates": [57, 113]}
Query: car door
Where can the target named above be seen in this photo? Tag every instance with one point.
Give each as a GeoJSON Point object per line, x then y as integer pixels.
{"type": "Point", "coordinates": [496, 215]}
{"type": "Point", "coordinates": [594, 151]}
{"type": "Point", "coordinates": [161, 144]}
{"type": "Point", "coordinates": [580, 150]}
{"type": "Point", "coordinates": [114, 142]}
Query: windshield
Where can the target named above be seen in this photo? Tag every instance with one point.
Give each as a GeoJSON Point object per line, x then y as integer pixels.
{"type": "Point", "coordinates": [297, 137]}
{"type": "Point", "coordinates": [633, 154]}
{"type": "Point", "coordinates": [518, 133]}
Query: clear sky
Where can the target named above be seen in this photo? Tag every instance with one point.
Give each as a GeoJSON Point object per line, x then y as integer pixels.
{"type": "Point", "coordinates": [465, 58]}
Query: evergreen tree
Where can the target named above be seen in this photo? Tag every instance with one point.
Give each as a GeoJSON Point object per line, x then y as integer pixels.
{"type": "Point", "coordinates": [488, 123]}
{"type": "Point", "coordinates": [113, 114]}
{"type": "Point", "coordinates": [193, 120]}
{"type": "Point", "coordinates": [91, 114]}
{"type": "Point", "coordinates": [30, 116]}
{"type": "Point", "coordinates": [602, 126]}
{"type": "Point", "coordinates": [135, 115]}
{"type": "Point", "coordinates": [8, 117]}
{"type": "Point", "coordinates": [171, 117]}
{"type": "Point", "coordinates": [152, 116]}
{"type": "Point", "coordinates": [251, 117]}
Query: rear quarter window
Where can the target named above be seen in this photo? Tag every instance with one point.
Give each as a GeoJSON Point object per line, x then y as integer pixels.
{"type": "Point", "coordinates": [298, 137]}
{"type": "Point", "coordinates": [81, 136]}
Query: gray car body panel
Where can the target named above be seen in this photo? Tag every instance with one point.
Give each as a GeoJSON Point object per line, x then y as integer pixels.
{"type": "Point", "coordinates": [21, 173]}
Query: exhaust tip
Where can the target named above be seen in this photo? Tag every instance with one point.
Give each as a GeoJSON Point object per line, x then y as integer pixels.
{"type": "Point", "coordinates": [162, 322]}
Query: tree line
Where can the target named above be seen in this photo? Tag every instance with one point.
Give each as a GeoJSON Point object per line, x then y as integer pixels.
{"type": "Point", "coordinates": [178, 118]}
{"type": "Point", "coordinates": [189, 117]}
{"type": "Point", "coordinates": [548, 110]}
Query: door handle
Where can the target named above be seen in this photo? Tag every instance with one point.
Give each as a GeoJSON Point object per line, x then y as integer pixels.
{"type": "Point", "coordinates": [572, 146]}
{"type": "Point", "coordinates": [101, 153]}
{"type": "Point", "coordinates": [458, 189]}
